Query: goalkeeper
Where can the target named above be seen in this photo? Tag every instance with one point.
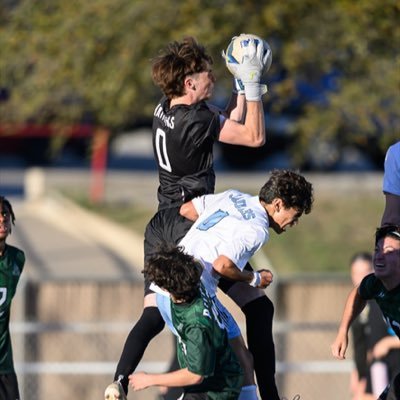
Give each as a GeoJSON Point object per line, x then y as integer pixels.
{"type": "Point", "coordinates": [185, 128]}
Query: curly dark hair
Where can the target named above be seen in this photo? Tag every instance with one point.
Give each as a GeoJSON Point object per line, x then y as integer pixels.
{"type": "Point", "coordinates": [175, 271]}
{"type": "Point", "coordinates": [4, 203]}
{"type": "Point", "coordinates": [292, 188]}
{"type": "Point", "coordinates": [175, 62]}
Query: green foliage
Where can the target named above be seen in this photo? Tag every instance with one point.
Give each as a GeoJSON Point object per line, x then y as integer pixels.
{"type": "Point", "coordinates": [326, 239]}
{"type": "Point", "coordinates": [62, 58]}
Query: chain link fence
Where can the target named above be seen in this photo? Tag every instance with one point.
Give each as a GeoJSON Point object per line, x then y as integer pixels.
{"type": "Point", "coordinates": [67, 338]}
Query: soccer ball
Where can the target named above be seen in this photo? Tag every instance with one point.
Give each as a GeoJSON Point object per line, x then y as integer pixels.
{"type": "Point", "coordinates": [234, 51]}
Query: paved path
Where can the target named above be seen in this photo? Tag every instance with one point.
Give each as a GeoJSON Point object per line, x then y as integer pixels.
{"type": "Point", "coordinates": [62, 241]}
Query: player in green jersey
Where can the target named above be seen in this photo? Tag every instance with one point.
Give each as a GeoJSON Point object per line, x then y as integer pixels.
{"type": "Point", "coordinates": [11, 265]}
{"type": "Point", "coordinates": [209, 368]}
{"type": "Point", "coordinates": [384, 287]}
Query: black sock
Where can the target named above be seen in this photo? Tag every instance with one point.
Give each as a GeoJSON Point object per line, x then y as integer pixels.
{"type": "Point", "coordinates": [148, 326]}
{"type": "Point", "coordinates": [259, 314]}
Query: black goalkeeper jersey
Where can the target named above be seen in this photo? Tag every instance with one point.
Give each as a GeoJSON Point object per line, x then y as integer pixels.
{"type": "Point", "coordinates": [183, 139]}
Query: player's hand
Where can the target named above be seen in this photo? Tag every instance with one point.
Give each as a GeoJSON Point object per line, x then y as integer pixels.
{"type": "Point", "coordinates": [249, 71]}
{"type": "Point", "coordinates": [339, 346]}
{"type": "Point", "coordinates": [256, 57]}
{"type": "Point", "coordinates": [251, 66]}
{"type": "Point", "coordinates": [267, 278]}
{"type": "Point", "coordinates": [139, 381]}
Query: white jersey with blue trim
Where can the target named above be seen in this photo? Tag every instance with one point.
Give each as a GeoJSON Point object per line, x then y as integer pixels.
{"type": "Point", "coordinates": [232, 224]}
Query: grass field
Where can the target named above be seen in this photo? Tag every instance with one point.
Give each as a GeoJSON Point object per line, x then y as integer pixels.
{"type": "Point", "coordinates": [341, 223]}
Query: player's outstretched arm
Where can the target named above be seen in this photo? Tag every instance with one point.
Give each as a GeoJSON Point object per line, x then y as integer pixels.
{"type": "Point", "coordinates": [247, 74]}
{"type": "Point", "coordinates": [354, 305]}
{"type": "Point", "coordinates": [178, 378]}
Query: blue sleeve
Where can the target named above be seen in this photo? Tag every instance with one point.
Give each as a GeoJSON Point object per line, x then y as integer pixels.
{"type": "Point", "coordinates": [391, 178]}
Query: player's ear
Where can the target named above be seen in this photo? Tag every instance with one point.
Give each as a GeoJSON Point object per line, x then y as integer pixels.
{"type": "Point", "coordinates": [189, 83]}
{"type": "Point", "coordinates": [277, 204]}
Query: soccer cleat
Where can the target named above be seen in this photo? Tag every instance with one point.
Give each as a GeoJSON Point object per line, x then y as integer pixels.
{"type": "Point", "coordinates": [114, 391]}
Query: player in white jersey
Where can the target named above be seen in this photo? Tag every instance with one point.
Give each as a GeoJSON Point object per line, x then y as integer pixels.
{"type": "Point", "coordinates": [231, 226]}
{"type": "Point", "coordinates": [222, 223]}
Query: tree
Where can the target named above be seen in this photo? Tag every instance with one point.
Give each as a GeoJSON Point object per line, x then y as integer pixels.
{"type": "Point", "coordinates": [359, 40]}
{"type": "Point", "coordinates": [61, 60]}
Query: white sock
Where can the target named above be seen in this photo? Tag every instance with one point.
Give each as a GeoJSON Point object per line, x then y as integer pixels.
{"type": "Point", "coordinates": [248, 392]}
{"type": "Point", "coordinates": [379, 377]}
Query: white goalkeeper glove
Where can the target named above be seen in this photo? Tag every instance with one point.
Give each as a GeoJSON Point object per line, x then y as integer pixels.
{"type": "Point", "coordinates": [238, 87]}
{"type": "Point", "coordinates": [250, 69]}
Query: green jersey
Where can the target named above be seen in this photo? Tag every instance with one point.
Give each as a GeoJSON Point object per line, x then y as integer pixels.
{"type": "Point", "coordinates": [204, 349]}
{"type": "Point", "coordinates": [11, 266]}
{"type": "Point", "coordinates": [389, 301]}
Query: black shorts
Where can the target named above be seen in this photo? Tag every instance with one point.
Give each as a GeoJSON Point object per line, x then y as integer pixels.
{"type": "Point", "coordinates": [167, 226]}
{"type": "Point", "coordinates": [9, 387]}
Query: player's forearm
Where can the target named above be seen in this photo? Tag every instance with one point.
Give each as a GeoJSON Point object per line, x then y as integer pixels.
{"type": "Point", "coordinates": [226, 268]}
{"type": "Point", "coordinates": [255, 123]}
{"type": "Point", "coordinates": [354, 305]}
{"type": "Point", "coordinates": [234, 275]}
{"type": "Point", "coordinates": [236, 108]}
{"type": "Point", "coordinates": [179, 378]}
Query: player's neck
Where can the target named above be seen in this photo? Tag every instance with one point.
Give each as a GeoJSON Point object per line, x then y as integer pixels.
{"type": "Point", "coordinates": [189, 98]}
{"type": "Point", "coordinates": [184, 100]}
{"type": "Point", "coordinates": [390, 283]}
